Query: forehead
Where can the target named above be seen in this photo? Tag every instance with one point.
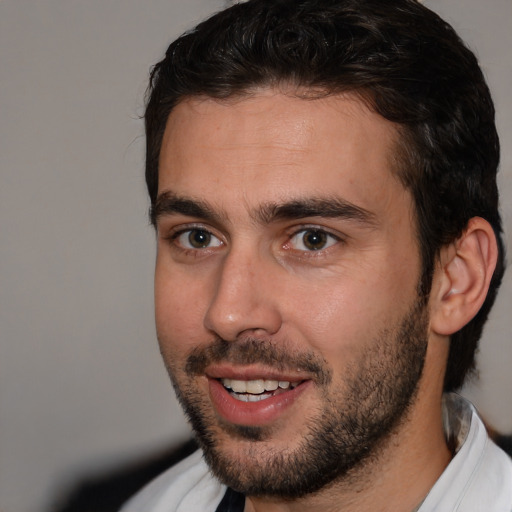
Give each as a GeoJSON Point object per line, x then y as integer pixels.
{"type": "Point", "coordinates": [275, 143]}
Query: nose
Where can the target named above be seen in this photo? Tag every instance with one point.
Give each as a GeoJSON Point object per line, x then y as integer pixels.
{"type": "Point", "coordinates": [244, 300]}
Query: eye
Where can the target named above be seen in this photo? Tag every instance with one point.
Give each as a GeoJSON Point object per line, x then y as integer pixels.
{"type": "Point", "coordinates": [312, 240]}
{"type": "Point", "coordinates": [197, 238]}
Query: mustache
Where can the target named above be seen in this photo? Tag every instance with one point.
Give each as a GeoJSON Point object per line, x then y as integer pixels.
{"type": "Point", "coordinates": [252, 351]}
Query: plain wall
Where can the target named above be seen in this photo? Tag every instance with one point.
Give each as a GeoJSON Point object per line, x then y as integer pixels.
{"type": "Point", "coordinates": [82, 386]}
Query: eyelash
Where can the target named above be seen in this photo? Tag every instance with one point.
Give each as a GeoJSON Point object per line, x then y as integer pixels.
{"type": "Point", "coordinates": [174, 236]}
{"type": "Point", "coordinates": [331, 240]}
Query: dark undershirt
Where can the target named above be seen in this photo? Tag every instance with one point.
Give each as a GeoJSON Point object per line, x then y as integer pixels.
{"type": "Point", "coordinates": [231, 502]}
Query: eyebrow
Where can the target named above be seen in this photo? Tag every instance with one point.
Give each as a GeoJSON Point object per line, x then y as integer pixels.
{"type": "Point", "coordinates": [169, 203]}
{"type": "Point", "coordinates": [330, 207]}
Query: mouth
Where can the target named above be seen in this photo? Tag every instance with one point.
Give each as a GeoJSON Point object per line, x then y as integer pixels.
{"type": "Point", "coordinates": [245, 398]}
{"type": "Point", "coordinates": [257, 390]}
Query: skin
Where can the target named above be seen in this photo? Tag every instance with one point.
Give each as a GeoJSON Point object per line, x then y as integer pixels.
{"type": "Point", "coordinates": [257, 280]}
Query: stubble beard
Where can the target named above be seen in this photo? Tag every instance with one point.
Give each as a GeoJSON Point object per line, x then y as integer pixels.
{"type": "Point", "coordinates": [346, 433]}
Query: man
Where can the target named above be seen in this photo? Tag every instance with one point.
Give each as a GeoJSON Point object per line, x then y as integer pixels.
{"type": "Point", "coordinates": [322, 177]}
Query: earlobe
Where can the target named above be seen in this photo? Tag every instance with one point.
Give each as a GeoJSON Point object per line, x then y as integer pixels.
{"type": "Point", "coordinates": [462, 277]}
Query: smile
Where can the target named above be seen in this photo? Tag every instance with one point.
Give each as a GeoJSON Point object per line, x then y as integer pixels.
{"type": "Point", "coordinates": [254, 401]}
{"type": "Point", "coordinates": [256, 390]}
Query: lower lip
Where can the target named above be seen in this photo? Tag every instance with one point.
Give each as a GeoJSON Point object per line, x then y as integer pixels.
{"type": "Point", "coordinates": [252, 413]}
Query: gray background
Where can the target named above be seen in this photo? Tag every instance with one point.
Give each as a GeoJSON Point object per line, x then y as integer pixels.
{"type": "Point", "coordinates": [82, 387]}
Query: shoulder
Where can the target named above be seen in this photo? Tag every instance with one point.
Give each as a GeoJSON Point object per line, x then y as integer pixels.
{"type": "Point", "coordinates": [488, 471]}
{"type": "Point", "coordinates": [490, 485]}
{"type": "Point", "coordinates": [479, 477]}
{"type": "Point", "coordinates": [186, 487]}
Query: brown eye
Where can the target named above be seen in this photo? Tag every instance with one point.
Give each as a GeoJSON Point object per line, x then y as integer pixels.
{"type": "Point", "coordinates": [197, 238]}
{"type": "Point", "coordinates": [312, 240]}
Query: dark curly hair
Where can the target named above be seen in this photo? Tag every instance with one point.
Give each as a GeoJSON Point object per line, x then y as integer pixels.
{"type": "Point", "coordinates": [404, 61]}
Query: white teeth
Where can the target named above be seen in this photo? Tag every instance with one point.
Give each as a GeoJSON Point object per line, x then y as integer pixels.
{"type": "Point", "coordinates": [256, 398]}
{"type": "Point", "coordinates": [271, 385]}
{"type": "Point", "coordinates": [246, 397]}
{"type": "Point", "coordinates": [239, 386]}
{"type": "Point", "coordinates": [255, 387]}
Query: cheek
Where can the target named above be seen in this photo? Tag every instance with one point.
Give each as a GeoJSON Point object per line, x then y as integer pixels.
{"type": "Point", "coordinates": [178, 312]}
{"type": "Point", "coordinates": [335, 322]}
{"type": "Point", "coordinates": [341, 317]}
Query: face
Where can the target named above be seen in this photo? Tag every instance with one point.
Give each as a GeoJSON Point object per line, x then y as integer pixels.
{"type": "Point", "coordinates": [286, 286]}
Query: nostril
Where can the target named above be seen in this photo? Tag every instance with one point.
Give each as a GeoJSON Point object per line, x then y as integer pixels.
{"type": "Point", "coordinates": [257, 321]}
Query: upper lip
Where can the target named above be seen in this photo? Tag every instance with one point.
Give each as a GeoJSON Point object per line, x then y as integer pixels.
{"type": "Point", "coordinates": [254, 372]}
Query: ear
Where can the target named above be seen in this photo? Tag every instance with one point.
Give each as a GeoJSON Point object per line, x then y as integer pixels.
{"type": "Point", "coordinates": [462, 277]}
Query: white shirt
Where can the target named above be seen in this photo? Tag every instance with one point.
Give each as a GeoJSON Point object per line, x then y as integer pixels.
{"type": "Point", "coordinates": [478, 478]}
